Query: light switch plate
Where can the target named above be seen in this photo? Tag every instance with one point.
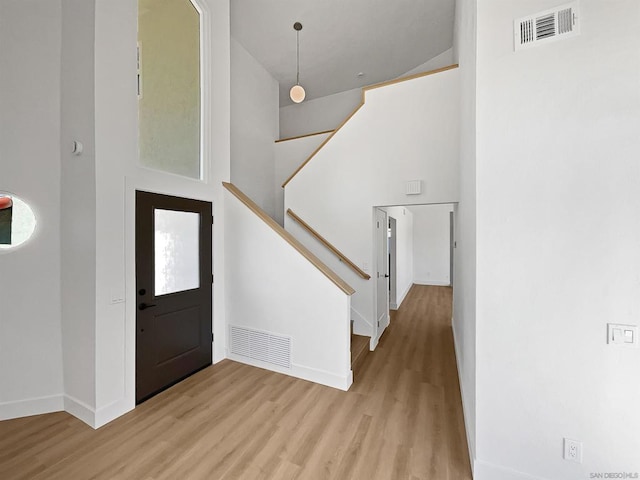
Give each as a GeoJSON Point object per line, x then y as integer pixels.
{"type": "Point", "coordinates": [622, 335]}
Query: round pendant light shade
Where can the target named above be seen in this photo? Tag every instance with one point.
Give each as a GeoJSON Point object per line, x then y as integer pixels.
{"type": "Point", "coordinates": [297, 93]}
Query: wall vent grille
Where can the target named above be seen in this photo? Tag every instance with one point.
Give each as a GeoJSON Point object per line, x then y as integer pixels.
{"type": "Point", "coordinates": [414, 187]}
{"type": "Point", "coordinates": [264, 346]}
{"type": "Point", "coordinates": [556, 24]}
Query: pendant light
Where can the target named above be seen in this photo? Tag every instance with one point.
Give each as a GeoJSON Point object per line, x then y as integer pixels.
{"type": "Point", "coordinates": [297, 93]}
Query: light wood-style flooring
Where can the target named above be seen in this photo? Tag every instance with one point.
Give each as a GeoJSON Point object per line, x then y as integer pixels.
{"type": "Point", "coordinates": [401, 419]}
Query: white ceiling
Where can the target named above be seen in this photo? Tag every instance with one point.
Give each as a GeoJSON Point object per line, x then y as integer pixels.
{"type": "Point", "coordinates": [381, 38]}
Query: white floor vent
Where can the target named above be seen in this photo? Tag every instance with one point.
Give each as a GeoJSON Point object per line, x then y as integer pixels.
{"type": "Point", "coordinates": [263, 346]}
{"type": "Point", "coordinates": [555, 24]}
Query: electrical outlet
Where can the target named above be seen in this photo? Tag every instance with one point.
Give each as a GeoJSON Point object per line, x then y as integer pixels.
{"type": "Point", "coordinates": [572, 450]}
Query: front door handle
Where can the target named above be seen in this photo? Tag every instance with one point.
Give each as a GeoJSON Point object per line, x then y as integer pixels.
{"type": "Point", "coordinates": [386, 276]}
{"type": "Point", "coordinates": [144, 306]}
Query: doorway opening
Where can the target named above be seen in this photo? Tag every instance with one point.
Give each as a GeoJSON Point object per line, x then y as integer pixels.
{"type": "Point", "coordinates": [382, 272]}
{"type": "Point", "coordinates": [393, 276]}
{"type": "Point", "coordinates": [419, 246]}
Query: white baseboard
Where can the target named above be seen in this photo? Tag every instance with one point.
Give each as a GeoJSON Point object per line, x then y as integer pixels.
{"type": "Point", "coordinates": [31, 406]}
{"type": "Point", "coordinates": [66, 403]}
{"type": "Point", "coordinates": [374, 340]}
{"type": "Point", "coordinates": [112, 411]}
{"type": "Point", "coordinates": [400, 299]}
{"type": "Point", "coordinates": [433, 283]}
{"type": "Point", "coordinates": [80, 410]}
{"type": "Point", "coordinates": [300, 371]}
{"type": "Point", "coordinates": [489, 471]}
{"type": "Point", "coordinates": [465, 408]}
{"type": "Point", "coordinates": [373, 343]}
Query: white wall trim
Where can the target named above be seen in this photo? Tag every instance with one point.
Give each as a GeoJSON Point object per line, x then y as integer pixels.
{"type": "Point", "coordinates": [400, 299]}
{"type": "Point", "coordinates": [489, 471]}
{"type": "Point", "coordinates": [374, 340]}
{"type": "Point", "coordinates": [112, 411]}
{"type": "Point", "coordinates": [465, 409]}
{"type": "Point", "coordinates": [360, 324]}
{"type": "Point", "coordinates": [300, 371]}
{"type": "Point", "coordinates": [434, 283]}
{"type": "Point", "coordinates": [373, 343]}
{"type": "Point", "coordinates": [31, 406]}
{"type": "Point", "coordinates": [80, 410]}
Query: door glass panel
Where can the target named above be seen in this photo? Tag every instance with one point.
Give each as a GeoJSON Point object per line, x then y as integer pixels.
{"type": "Point", "coordinates": [177, 251]}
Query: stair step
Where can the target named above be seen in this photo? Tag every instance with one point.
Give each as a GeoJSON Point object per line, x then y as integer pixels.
{"type": "Point", "coordinates": [359, 350]}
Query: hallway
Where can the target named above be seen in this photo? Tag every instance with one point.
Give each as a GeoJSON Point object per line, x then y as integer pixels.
{"type": "Point", "coordinates": [402, 419]}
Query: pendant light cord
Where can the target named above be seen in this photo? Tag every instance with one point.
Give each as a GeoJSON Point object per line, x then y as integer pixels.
{"type": "Point", "coordinates": [297, 57]}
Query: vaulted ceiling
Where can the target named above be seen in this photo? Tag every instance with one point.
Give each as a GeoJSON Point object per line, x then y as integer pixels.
{"type": "Point", "coordinates": [341, 38]}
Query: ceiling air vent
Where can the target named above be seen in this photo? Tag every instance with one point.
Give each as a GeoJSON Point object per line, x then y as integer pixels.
{"type": "Point", "coordinates": [556, 24]}
{"type": "Point", "coordinates": [263, 346]}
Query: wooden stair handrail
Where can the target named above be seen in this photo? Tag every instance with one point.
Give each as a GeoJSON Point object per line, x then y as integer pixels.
{"type": "Point", "coordinates": [290, 239]}
{"type": "Point", "coordinates": [303, 136]}
{"type": "Point", "coordinates": [326, 243]}
{"type": "Point", "coordinates": [362, 101]}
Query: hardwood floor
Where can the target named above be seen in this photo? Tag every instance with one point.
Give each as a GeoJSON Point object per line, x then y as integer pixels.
{"type": "Point", "coordinates": [402, 419]}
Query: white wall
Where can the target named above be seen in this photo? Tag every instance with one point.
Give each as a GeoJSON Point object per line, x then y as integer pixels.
{"type": "Point", "coordinates": [254, 127]}
{"type": "Point", "coordinates": [272, 287]}
{"type": "Point", "coordinates": [289, 155]}
{"type": "Point", "coordinates": [40, 99]}
{"type": "Point", "coordinates": [557, 243]}
{"type": "Point", "coordinates": [405, 131]}
{"type": "Point", "coordinates": [431, 244]}
{"type": "Point", "coordinates": [405, 225]}
{"type": "Point", "coordinates": [327, 113]}
{"type": "Point", "coordinates": [445, 59]}
{"type": "Point", "coordinates": [464, 278]}
{"type": "Point", "coordinates": [78, 200]}
{"type": "Point", "coordinates": [319, 114]}
{"type": "Point", "coordinates": [30, 338]}
{"type": "Point", "coordinates": [118, 176]}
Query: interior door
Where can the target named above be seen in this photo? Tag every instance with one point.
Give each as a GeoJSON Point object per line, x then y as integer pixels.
{"type": "Point", "coordinates": [173, 288]}
{"type": "Point", "coordinates": [382, 277]}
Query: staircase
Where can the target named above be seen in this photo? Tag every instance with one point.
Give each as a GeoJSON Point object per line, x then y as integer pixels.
{"type": "Point", "coordinates": [404, 130]}
{"type": "Point", "coordinates": [359, 351]}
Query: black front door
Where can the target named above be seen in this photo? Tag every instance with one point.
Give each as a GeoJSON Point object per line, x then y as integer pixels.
{"type": "Point", "coordinates": [173, 288]}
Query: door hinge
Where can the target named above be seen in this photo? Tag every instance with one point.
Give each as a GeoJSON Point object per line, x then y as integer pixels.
{"type": "Point", "coordinates": [212, 278]}
{"type": "Point", "coordinates": [211, 219]}
{"type": "Point", "coordinates": [212, 338]}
